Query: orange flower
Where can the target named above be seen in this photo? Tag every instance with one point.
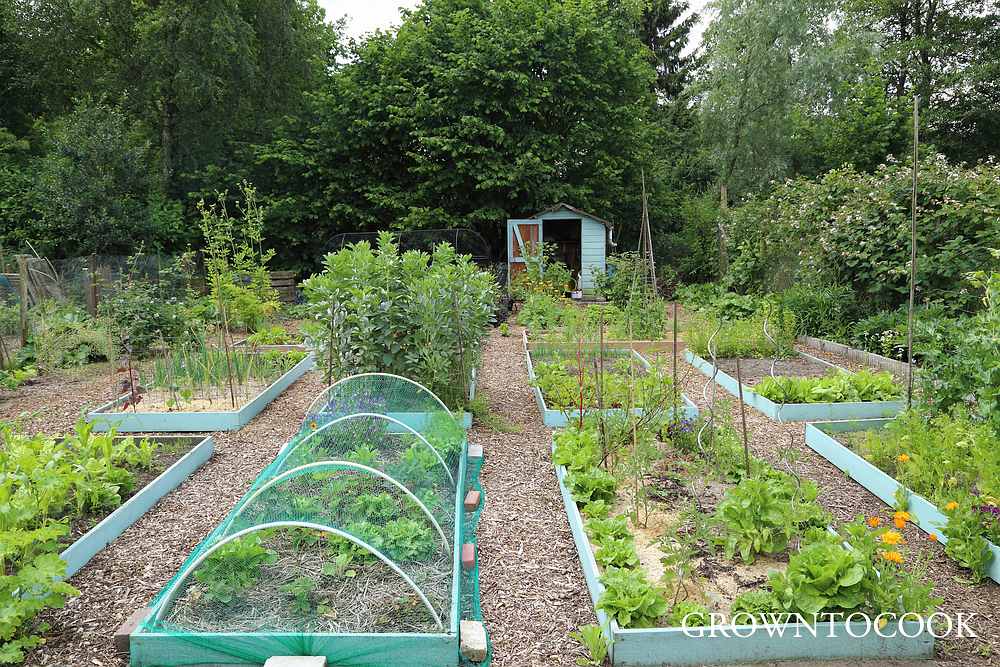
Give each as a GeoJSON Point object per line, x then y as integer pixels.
{"type": "Point", "coordinates": [892, 537]}
{"type": "Point", "coordinates": [312, 425]}
{"type": "Point", "coordinates": [900, 519]}
{"type": "Point", "coordinates": [951, 505]}
{"type": "Point", "coordinates": [892, 556]}
{"type": "Point", "coordinates": [933, 537]}
{"type": "Point", "coordinates": [874, 521]}
{"type": "Point", "coordinates": [903, 458]}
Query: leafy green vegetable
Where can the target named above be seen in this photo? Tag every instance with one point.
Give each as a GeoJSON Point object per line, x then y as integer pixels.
{"type": "Point", "coordinates": [837, 387]}
{"type": "Point", "coordinates": [630, 599]}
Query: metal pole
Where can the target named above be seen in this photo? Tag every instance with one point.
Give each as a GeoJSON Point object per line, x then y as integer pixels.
{"type": "Point", "coordinates": [913, 254]}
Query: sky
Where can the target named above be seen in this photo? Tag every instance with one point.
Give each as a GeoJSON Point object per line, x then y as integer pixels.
{"type": "Point", "coordinates": [365, 16]}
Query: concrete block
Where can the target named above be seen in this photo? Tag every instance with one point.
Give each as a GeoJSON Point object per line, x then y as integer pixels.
{"type": "Point", "coordinates": [128, 627]}
{"type": "Point", "coordinates": [296, 661]}
{"type": "Point", "coordinates": [475, 451]}
{"type": "Point", "coordinates": [472, 637]}
{"type": "Point", "coordinates": [471, 500]}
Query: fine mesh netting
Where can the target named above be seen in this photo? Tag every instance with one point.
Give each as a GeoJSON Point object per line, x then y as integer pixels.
{"type": "Point", "coordinates": [351, 529]}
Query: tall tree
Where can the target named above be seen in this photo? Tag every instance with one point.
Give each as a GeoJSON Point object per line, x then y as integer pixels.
{"type": "Point", "coordinates": [471, 113]}
{"type": "Point", "coordinates": [665, 29]}
{"type": "Point", "coordinates": [945, 51]}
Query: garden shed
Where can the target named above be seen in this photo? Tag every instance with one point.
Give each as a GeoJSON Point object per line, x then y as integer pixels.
{"type": "Point", "coordinates": [577, 238]}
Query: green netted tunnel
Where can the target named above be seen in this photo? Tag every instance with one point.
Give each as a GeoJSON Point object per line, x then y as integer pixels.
{"type": "Point", "coordinates": [348, 545]}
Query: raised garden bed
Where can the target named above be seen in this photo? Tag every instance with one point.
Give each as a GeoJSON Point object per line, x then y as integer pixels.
{"type": "Point", "coordinates": [804, 365]}
{"type": "Point", "coordinates": [555, 418]}
{"type": "Point", "coordinates": [172, 631]}
{"type": "Point", "coordinates": [822, 438]}
{"type": "Point", "coordinates": [894, 366]}
{"type": "Point", "coordinates": [727, 643]}
{"type": "Point", "coordinates": [187, 456]}
{"type": "Point", "coordinates": [110, 415]}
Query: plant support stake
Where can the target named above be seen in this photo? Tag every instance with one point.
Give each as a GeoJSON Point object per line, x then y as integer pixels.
{"type": "Point", "coordinates": [743, 418]}
{"type": "Point", "coordinates": [913, 255]}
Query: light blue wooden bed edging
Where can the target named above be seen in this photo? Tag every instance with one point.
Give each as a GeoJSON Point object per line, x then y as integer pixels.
{"type": "Point", "coordinates": [104, 419]}
{"type": "Point", "coordinates": [656, 647]}
{"type": "Point", "coordinates": [557, 418]}
{"type": "Point", "coordinates": [94, 540]}
{"type": "Point", "coordinates": [924, 513]}
{"type": "Point", "coordinates": [795, 412]}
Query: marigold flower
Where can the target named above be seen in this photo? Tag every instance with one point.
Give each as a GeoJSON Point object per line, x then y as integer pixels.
{"type": "Point", "coordinates": [312, 425]}
{"type": "Point", "coordinates": [892, 556]}
{"type": "Point", "coordinates": [892, 537]}
{"type": "Point", "coordinates": [933, 537]}
{"type": "Point", "coordinates": [951, 505]}
{"type": "Point", "coordinates": [903, 458]}
{"type": "Point", "coordinates": [874, 521]}
{"type": "Point", "coordinates": [900, 519]}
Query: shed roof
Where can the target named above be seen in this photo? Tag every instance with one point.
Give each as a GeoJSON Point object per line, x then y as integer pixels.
{"type": "Point", "coordinates": [561, 205]}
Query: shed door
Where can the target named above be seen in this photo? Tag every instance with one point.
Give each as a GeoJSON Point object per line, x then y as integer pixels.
{"type": "Point", "coordinates": [521, 235]}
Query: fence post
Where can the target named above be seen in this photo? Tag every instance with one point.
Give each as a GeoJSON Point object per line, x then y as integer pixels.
{"type": "Point", "coordinates": [22, 270]}
{"type": "Point", "coordinates": [92, 286]}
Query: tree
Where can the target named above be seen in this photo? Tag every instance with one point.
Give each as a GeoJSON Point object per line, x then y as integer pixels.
{"type": "Point", "coordinates": [96, 190]}
{"type": "Point", "coordinates": [945, 52]}
{"type": "Point", "coordinates": [471, 113]}
{"type": "Point", "coordinates": [666, 32]}
{"type": "Point", "coordinates": [764, 59]}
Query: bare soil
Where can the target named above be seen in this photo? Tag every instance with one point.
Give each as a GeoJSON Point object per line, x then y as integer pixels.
{"type": "Point", "coordinates": [755, 370]}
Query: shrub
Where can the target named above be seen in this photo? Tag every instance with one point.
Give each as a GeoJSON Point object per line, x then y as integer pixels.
{"type": "Point", "coordinates": [421, 316]}
{"type": "Point", "coordinates": [853, 229]}
{"type": "Point", "coordinates": [819, 311]}
{"type": "Point", "coordinates": [138, 316]}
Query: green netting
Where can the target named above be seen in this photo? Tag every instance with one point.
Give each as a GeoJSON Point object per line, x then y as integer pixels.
{"type": "Point", "coordinates": [345, 546]}
{"type": "Point", "coordinates": [469, 595]}
{"type": "Point", "coordinates": [381, 393]}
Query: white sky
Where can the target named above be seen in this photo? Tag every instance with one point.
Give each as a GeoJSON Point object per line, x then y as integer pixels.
{"type": "Point", "coordinates": [365, 16]}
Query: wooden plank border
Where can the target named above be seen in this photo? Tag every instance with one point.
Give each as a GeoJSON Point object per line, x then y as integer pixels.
{"type": "Point", "coordinates": [94, 540]}
{"type": "Point", "coordinates": [792, 412]}
{"type": "Point", "coordinates": [923, 512]}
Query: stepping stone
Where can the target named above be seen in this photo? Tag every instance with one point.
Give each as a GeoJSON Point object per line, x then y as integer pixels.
{"type": "Point", "coordinates": [296, 661]}
{"type": "Point", "coordinates": [472, 637]}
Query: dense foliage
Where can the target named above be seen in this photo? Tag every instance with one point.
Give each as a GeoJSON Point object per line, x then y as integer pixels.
{"type": "Point", "coordinates": [852, 229]}
{"type": "Point", "coordinates": [420, 316]}
{"type": "Point", "coordinates": [951, 461]}
{"type": "Point", "coordinates": [46, 484]}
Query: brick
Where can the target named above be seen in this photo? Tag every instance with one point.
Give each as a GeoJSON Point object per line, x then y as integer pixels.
{"type": "Point", "coordinates": [468, 556]}
{"type": "Point", "coordinates": [128, 627]}
{"type": "Point", "coordinates": [472, 638]}
{"type": "Point", "coordinates": [472, 500]}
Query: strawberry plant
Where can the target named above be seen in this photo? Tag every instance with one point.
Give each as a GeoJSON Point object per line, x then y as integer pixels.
{"type": "Point", "coordinates": [233, 568]}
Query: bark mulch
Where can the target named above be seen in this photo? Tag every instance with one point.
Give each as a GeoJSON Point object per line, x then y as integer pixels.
{"type": "Point", "coordinates": [784, 446]}
{"type": "Point", "coordinates": [52, 404]}
{"type": "Point", "coordinates": [133, 568]}
{"type": "Point", "coordinates": [531, 583]}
